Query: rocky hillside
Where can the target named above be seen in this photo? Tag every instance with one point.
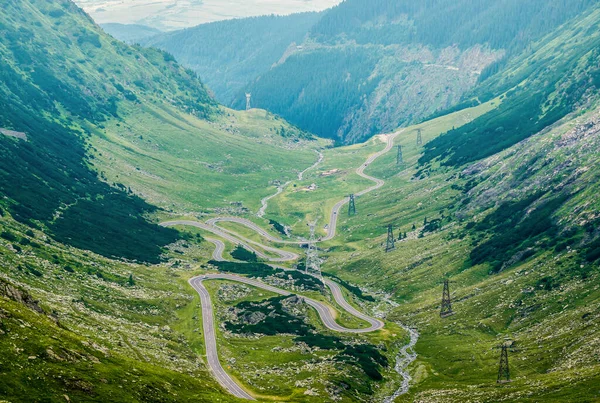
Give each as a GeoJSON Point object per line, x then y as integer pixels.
{"type": "Point", "coordinates": [553, 77]}
{"type": "Point", "coordinates": [517, 236]}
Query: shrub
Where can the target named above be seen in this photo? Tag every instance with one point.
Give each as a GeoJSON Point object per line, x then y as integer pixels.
{"type": "Point", "coordinates": [9, 236]}
{"type": "Point", "coordinates": [241, 253]}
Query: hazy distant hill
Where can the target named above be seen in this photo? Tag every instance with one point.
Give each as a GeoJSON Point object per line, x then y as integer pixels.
{"type": "Point", "coordinates": [129, 33]}
{"type": "Point", "coordinates": [230, 54]}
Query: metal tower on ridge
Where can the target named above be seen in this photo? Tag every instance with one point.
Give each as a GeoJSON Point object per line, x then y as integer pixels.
{"type": "Point", "coordinates": [313, 263]}
{"type": "Point", "coordinates": [390, 244]}
{"type": "Point", "coordinates": [503, 368]}
{"type": "Point", "coordinates": [446, 303]}
{"type": "Point", "coordinates": [351, 206]}
{"type": "Point", "coordinates": [400, 157]}
{"type": "Point", "coordinates": [248, 97]}
{"type": "Point", "coordinates": [419, 137]}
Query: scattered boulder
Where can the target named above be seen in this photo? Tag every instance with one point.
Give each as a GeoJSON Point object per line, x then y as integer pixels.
{"type": "Point", "coordinates": [19, 295]}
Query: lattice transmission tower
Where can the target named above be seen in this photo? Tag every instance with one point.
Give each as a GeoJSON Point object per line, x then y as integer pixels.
{"type": "Point", "coordinates": [419, 137]}
{"type": "Point", "coordinates": [446, 302]}
{"type": "Point", "coordinates": [248, 97]}
{"type": "Point", "coordinates": [503, 366]}
{"type": "Point", "coordinates": [390, 243]}
{"type": "Point", "coordinates": [351, 205]}
{"type": "Point", "coordinates": [313, 263]}
{"type": "Point", "coordinates": [400, 157]}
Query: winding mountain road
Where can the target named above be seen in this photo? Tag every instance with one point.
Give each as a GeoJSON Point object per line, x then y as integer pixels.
{"type": "Point", "coordinates": [333, 216]}
{"type": "Point", "coordinates": [326, 313]}
{"type": "Point", "coordinates": [265, 202]}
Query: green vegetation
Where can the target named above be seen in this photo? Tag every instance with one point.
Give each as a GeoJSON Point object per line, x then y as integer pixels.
{"type": "Point", "coordinates": [390, 63]}
{"type": "Point", "coordinates": [263, 270]}
{"type": "Point", "coordinates": [47, 180]}
{"type": "Point", "coordinates": [440, 23]}
{"type": "Point", "coordinates": [557, 76]}
{"type": "Point", "coordinates": [278, 94]}
{"type": "Point", "coordinates": [517, 254]}
{"type": "Point", "coordinates": [144, 107]}
{"type": "Point", "coordinates": [241, 253]}
{"type": "Point", "coordinates": [112, 128]}
{"type": "Point", "coordinates": [71, 325]}
{"type": "Point", "coordinates": [277, 320]}
{"type": "Point", "coordinates": [278, 227]}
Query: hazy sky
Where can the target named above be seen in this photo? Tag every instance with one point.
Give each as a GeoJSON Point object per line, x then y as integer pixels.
{"type": "Point", "coordinates": [173, 14]}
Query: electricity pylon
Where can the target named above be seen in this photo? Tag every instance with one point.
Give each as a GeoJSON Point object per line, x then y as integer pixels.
{"type": "Point", "coordinates": [419, 138]}
{"type": "Point", "coordinates": [390, 245]}
{"type": "Point", "coordinates": [351, 206]}
{"type": "Point", "coordinates": [313, 263]}
{"type": "Point", "coordinates": [503, 367]}
{"type": "Point", "coordinates": [400, 157]}
{"type": "Point", "coordinates": [446, 303]}
{"type": "Point", "coordinates": [248, 97]}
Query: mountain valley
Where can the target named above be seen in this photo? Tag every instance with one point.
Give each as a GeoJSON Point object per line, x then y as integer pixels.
{"type": "Point", "coordinates": [159, 243]}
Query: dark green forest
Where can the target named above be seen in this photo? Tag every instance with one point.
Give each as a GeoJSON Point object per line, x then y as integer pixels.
{"type": "Point", "coordinates": [315, 90]}
{"type": "Point", "coordinates": [348, 61]}
{"type": "Point", "coordinates": [230, 54]}
{"type": "Point", "coordinates": [501, 24]}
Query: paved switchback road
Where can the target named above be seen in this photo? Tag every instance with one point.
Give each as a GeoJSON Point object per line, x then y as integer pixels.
{"type": "Point", "coordinates": [325, 312]}
{"type": "Point", "coordinates": [333, 216]}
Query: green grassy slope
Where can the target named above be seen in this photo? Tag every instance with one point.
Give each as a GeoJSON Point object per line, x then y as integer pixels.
{"type": "Point", "coordinates": [90, 104]}
{"type": "Point", "coordinates": [185, 164]}
{"type": "Point", "coordinates": [74, 326]}
{"type": "Point", "coordinates": [517, 235]}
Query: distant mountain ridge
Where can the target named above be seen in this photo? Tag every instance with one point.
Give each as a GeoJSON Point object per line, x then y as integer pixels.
{"type": "Point", "coordinates": [402, 60]}
{"type": "Point", "coordinates": [130, 33]}
{"type": "Point", "coordinates": [230, 54]}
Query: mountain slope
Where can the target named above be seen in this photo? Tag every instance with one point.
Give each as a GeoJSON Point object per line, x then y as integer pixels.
{"type": "Point", "coordinates": [427, 56]}
{"type": "Point", "coordinates": [55, 95]}
{"type": "Point", "coordinates": [508, 214]}
{"type": "Point", "coordinates": [554, 77]}
{"type": "Point", "coordinates": [84, 122]}
{"type": "Point", "coordinates": [88, 91]}
{"type": "Point", "coordinates": [229, 54]}
{"type": "Point", "coordinates": [405, 61]}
